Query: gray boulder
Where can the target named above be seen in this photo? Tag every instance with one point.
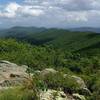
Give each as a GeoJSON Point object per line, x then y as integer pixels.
{"type": "Point", "coordinates": [80, 82]}
{"type": "Point", "coordinates": [48, 71]}
{"type": "Point", "coordinates": [54, 95]}
{"type": "Point", "coordinates": [78, 96]}
{"type": "Point", "coordinates": [12, 74]}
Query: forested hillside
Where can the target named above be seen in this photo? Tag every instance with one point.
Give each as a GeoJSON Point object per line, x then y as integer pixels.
{"type": "Point", "coordinates": [58, 38]}
{"type": "Point", "coordinates": [72, 53]}
{"type": "Point", "coordinates": [40, 57]}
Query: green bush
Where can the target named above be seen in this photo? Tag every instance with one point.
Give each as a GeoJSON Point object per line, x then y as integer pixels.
{"type": "Point", "coordinates": [41, 57]}
{"type": "Point", "coordinates": [57, 81]}
{"type": "Point", "coordinates": [16, 94]}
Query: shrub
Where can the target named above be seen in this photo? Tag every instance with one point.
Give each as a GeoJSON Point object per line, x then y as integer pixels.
{"type": "Point", "coordinates": [57, 81]}
{"type": "Point", "coordinates": [16, 94]}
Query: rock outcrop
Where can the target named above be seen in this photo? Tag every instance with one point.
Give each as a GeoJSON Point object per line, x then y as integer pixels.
{"type": "Point", "coordinates": [83, 88]}
{"type": "Point", "coordinates": [80, 82]}
{"type": "Point", "coordinates": [11, 74]}
{"type": "Point", "coordinates": [79, 97]}
{"type": "Point", "coordinates": [48, 71]}
{"type": "Point", "coordinates": [54, 95]}
{"type": "Point", "coordinates": [59, 95]}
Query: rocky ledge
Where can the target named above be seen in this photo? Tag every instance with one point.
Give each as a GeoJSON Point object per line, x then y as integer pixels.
{"type": "Point", "coordinates": [11, 74]}
{"type": "Point", "coordinates": [14, 75]}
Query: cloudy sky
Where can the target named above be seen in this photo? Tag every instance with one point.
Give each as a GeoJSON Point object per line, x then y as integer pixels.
{"type": "Point", "coordinates": [50, 13]}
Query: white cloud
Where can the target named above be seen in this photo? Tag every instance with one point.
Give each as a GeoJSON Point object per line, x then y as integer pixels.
{"type": "Point", "coordinates": [29, 11]}
{"type": "Point", "coordinates": [12, 7]}
{"type": "Point", "coordinates": [12, 10]}
{"type": "Point", "coordinates": [77, 16]}
{"type": "Point", "coordinates": [96, 4]}
{"type": "Point", "coordinates": [52, 11]}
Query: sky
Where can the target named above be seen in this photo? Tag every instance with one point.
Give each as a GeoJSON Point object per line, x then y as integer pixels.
{"type": "Point", "coordinates": [50, 13]}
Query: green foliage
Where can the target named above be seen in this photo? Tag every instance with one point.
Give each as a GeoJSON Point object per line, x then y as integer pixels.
{"type": "Point", "coordinates": [84, 42]}
{"type": "Point", "coordinates": [40, 57]}
{"type": "Point", "coordinates": [57, 81]}
{"type": "Point", "coordinates": [16, 94]}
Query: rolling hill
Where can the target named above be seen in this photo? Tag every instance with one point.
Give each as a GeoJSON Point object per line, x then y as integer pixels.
{"type": "Point", "coordinates": [19, 31]}
{"type": "Point", "coordinates": [58, 38]}
{"type": "Point", "coordinates": [86, 29]}
{"type": "Point", "coordinates": [41, 48]}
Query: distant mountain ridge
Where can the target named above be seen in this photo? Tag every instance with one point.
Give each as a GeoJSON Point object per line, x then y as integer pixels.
{"type": "Point", "coordinates": [70, 40]}
{"type": "Point", "coordinates": [86, 29]}
{"type": "Point", "coordinates": [19, 30]}
{"type": "Point", "coordinates": [80, 29]}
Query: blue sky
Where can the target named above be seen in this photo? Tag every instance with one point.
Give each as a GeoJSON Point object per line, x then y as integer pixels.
{"type": "Point", "coordinates": [50, 13]}
{"type": "Point", "coordinates": [7, 1]}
